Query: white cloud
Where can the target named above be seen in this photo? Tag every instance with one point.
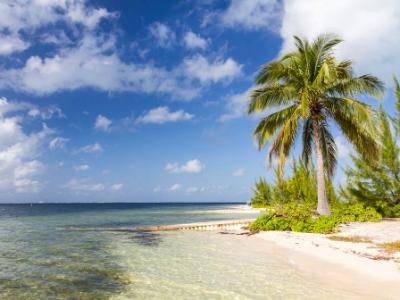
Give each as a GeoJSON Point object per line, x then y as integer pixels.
{"type": "Point", "coordinates": [175, 187]}
{"type": "Point", "coordinates": [28, 169]}
{"type": "Point", "coordinates": [46, 113]}
{"type": "Point", "coordinates": [19, 16]}
{"type": "Point", "coordinates": [369, 32]}
{"type": "Point", "coordinates": [213, 189]}
{"type": "Point", "coordinates": [156, 189]}
{"type": "Point", "coordinates": [116, 186]}
{"type": "Point", "coordinates": [11, 43]}
{"type": "Point", "coordinates": [83, 185]}
{"type": "Point", "coordinates": [198, 67]}
{"type": "Point", "coordinates": [162, 114]}
{"type": "Point", "coordinates": [84, 65]}
{"type": "Point", "coordinates": [191, 166]}
{"type": "Point", "coordinates": [163, 35]}
{"type": "Point", "coordinates": [236, 106]}
{"type": "Point", "coordinates": [102, 123]}
{"type": "Point", "coordinates": [238, 172]}
{"type": "Point", "coordinates": [80, 61]}
{"type": "Point", "coordinates": [193, 41]}
{"type": "Point", "coordinates": [19, 151]}
{"type": "Point", "coordinates": [58, 143]}
{"type": "Point", "coordinates": [252, 14]}
{"type": "Point", "coordinates": [192, 189]}
{"type": "Point", "coordinates": [7, 107]}
{"type": "Point", "coordinates": [91, 148]}
{"type": "Point", "coordinates": [82, 168]}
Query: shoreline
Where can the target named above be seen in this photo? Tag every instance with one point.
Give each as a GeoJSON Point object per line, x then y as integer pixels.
{"type": "Point", "coordinates": [361, 266]}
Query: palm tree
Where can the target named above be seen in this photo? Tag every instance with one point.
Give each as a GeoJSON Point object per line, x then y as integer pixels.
{"type": "Point", "coordinates": [307, 89]}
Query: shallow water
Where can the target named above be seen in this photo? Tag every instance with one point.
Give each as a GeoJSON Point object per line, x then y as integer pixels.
{"type": "Point", "coordinates": [42, 257]}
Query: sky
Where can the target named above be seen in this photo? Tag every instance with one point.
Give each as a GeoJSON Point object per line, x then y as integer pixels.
{"type": "Point", "coordinates": [145, 101]}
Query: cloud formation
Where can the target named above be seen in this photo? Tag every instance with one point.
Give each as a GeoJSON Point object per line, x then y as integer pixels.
{"type": "Point", "coordinates": [19, 17]}
{"type": "Point", "coordinates": [252, 14]}
{"type": "Point", "coordinates": [238, 172]}
{"type": "Point", "coordinates": [116, 186]}
{"type": "Point", "coordinates": [79, 58]}
{"type": "Point", "coordinates": [175, 187]}
{"type": "Point", "coordinates": [198, 67]}
{"type": "Point", "coordinates": [83, 186]}
{"type": "Point", "coordinates": [19, 151]}
{"type": "Point", "coordinates": [162, 34]}
{"type": "Point", "coordinates": [191, 166]}
{"type": "Point", "coordinates": [91, 148]}
{"type": "Point", "coordinates": [82, 168]}
{"type": "Point", "coordinates": [102, 123]}
{"type": "Point", "coordinates": [85, 64]}
{"type": "Point", "coordinates": [192, 40]}
{"type": "Point", "coordinates": [235, 106]}
{"type": "Point", "coordinates": [58, 143]}
{"type": "Point", "coordinates": [162, 114]}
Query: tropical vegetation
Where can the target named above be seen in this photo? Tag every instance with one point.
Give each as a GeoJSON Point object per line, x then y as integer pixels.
{"type": "Point", "coordinates": [290, 204]}
{"type": "Point", "coordinates": [308, 89]}
{"type": "Point", "coordinates": [298, 188]}
{"type": "Point", "coordinates": [378, 185]}
{"type": "Point", "coordinates": [301, 217]}
{"type": "Point", "coordinates": [262, 194]}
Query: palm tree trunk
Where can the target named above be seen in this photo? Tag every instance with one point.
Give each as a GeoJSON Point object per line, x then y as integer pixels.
{"type": "Point", "coordinates": [323, 205]}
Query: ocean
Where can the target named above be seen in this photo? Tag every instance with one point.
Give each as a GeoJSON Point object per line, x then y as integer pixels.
{"type": "Point", "coordinates": [43, 256]}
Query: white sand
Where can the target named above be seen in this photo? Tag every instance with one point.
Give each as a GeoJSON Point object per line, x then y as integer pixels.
{"type": "Point", "coordinates": [353, 264]}
{"type": "Point", "coordinates": [235, 209]}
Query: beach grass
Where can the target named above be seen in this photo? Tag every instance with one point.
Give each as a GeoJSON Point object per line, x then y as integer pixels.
{"type": "Point", "coordinates": [352, 239]}
{"type": "Point", "coordinates": [391, 246]}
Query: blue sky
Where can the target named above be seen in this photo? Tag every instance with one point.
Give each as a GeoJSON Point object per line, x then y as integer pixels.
{"type": "Point", "coordinates": [146, 100]}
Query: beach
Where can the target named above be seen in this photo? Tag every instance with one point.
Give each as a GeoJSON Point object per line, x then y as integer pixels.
{"type": "Point", "coordinates": [358, 266]}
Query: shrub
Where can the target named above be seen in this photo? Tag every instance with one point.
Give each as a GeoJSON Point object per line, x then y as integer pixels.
{"type": "Point", "coordinates": [302, 218]}
{"type": "Point", "coordinates": [262, 194]}
{"type": "Point", "coordinates": [300, 187]}
{"type": "Point", "coordinates": [355, 213]}
{"type": "Point", "coordinates": [377, 184]}
{"type": "Point", "coordinates": [391, 211]}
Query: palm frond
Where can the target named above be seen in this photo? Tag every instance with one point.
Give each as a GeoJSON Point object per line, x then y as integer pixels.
{"type": "Point", "coordinates": [270, 96]}
{"type": "Point", "coordinates": [282, 69]}
{"type": "Point", "coordinates": [366, 84]}
{"type": "Point", "coordinates": [328, 149]}
{"type": "Point", "coordinates": [268, 126]}
{"type": "Point", "coordinates": [360, 112]}
{"type": "Point", "coordinates": [283, 142]}
{"type": "Point", "coordinates": [362, 139]}
{"type": "Point", "coordinates": [308, 140]}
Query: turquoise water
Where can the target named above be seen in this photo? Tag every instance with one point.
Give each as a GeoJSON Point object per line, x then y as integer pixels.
{"type": "Point", "coordinates": [43, 257]}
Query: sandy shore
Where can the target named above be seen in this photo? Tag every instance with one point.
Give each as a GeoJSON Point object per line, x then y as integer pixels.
{"type": "Point", "coordinates": [362, 266]}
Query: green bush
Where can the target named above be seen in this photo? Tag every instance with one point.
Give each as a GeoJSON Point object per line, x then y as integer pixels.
{"type": "Point", "coordinates": [262, 194]}
{"type": "Point", "coordinates": [302, 218]}
{"type": "Point", "coordinates": [299, 187]}
{"type": "Point", "coordinates": [392, 211]}
{"type": "Point", "coordinates": [377, 184]}
{"type": "Point", "coordinates": [355, 213]}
